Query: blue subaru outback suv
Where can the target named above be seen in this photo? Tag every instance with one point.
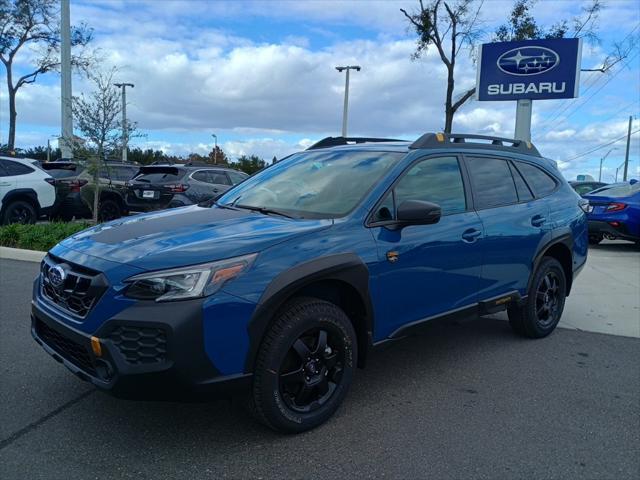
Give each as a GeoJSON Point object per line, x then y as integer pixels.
{"type": "Point", "coordinates": [282, 286]}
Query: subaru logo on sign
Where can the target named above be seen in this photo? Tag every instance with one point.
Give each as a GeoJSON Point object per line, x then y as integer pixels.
{"type": "Point", "coordinates": [528, 61]}
{"type": "Point", "coordinates": [57, 276]}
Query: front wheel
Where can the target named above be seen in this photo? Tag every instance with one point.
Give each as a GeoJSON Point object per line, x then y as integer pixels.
{"type": "Point", "coordinates": [541, 312]}
{"type": "Point", "coordinates": [305, 366]}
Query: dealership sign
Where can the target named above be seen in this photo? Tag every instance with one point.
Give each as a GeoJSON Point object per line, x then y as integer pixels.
{"type": "Point", "coordinates": [529, 69]}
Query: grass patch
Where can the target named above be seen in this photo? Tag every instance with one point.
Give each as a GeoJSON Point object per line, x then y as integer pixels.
{"type": "Point", "coordinates": [41, 236]}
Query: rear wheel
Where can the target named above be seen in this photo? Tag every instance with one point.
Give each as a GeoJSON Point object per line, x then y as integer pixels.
{"type": "Point", "coordinates": [109, 210]}
{"type": "Point", "coordinates": [543, 308]}
{"type": "Point", "coordinates": [305, 366]}
{"type": "Point", "coordinates": [19, 212]}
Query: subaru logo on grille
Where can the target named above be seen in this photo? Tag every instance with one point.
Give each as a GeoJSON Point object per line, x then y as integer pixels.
{"type": "Point", "coordinates": [57, 276]}
{"type": "Point", "coordinates": [524, 61]}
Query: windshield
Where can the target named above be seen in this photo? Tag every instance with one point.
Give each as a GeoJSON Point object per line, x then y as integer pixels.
{"type": "Point", "coordinates": [323, 184]}
{"type": "Point", "coordinates": [618, 190]}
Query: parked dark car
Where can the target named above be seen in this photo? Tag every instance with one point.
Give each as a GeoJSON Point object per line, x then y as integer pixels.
{"type": "Point", "coordinates": [582, 188]}
{"type": "Point", "coordinates": [614, 212]}
{"type": "Point", "coordinates": [156, 187]}
{"type": "Point", "coordinates": [74, 189]}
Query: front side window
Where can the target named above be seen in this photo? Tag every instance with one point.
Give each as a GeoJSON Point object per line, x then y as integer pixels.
{"type": "Point", "coordinates": [318, 184]}
{"type": "Point", "coordinates": [540, 181]}
{"type": "Point", "coordinates": [492, 182]}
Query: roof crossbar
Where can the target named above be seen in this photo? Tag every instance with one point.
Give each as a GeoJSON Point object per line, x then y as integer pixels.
{"type": "Point", "coordinates": [337, 141]}
{"type": "Point", "coordinates": [443, 140]}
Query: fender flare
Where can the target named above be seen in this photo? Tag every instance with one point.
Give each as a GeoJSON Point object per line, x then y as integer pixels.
{"type": "Point", "coordinates": [565, 239]}
{"type": "Point", "coordinates": [346, 267]}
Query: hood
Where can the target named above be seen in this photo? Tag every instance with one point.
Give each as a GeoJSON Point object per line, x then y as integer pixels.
{"type": "Point", "coordinates": [186, 236]}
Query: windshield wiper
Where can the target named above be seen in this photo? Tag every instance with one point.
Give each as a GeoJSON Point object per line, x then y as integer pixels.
{"type": "Point", "coordinates": [264, 210]}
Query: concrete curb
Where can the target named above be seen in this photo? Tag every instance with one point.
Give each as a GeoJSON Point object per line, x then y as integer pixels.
{"type": "Point", "coordinates": [20, 254]}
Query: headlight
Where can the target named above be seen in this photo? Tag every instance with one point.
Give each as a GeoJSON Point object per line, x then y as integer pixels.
{"type": "Point", "coordinates": [187, 282]}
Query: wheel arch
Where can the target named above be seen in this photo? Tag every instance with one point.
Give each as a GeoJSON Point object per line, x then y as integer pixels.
{"type": "Point", "coordinates": [559, 248]}
{"type": "Point", "coordinates": [25, 194]}
{"type": "Point", "coordinates": [342, 279]}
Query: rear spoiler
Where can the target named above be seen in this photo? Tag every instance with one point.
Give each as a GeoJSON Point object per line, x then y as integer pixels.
{"type": "Point", "coordinates": [58, 166]}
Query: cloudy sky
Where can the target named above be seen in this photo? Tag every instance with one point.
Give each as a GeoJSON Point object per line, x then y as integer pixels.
{"type": "Point", "coordinates": [260, 75]}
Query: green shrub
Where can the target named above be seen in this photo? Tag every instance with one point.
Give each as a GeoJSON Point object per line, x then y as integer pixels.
{"type": "Point", "coordinates": [41, 236]}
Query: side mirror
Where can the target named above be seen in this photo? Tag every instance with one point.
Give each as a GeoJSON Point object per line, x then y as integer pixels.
{"type": "Point", "coordinates": [418, 212]}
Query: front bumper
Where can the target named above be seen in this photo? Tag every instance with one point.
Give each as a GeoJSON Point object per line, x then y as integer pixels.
{"type": "Point", "coordinates": [600, 227]}
{"type": "Point", "coordinates": [148, 351]}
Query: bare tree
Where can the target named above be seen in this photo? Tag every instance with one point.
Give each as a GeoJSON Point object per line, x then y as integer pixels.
{"type": "Point", "coordinates": [97, 117]}
{"type": "Point", "coordinates": [34, 25]}
{"type": "Point", "coordinates": [448, 28]}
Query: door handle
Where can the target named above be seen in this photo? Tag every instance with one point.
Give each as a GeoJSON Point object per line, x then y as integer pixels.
{"type": "Point", "coordinates": [5, 184]}
{"type": "Point", "coordinates": [538, 220]}
{"type": "Point", "coordinates": [471, 235]}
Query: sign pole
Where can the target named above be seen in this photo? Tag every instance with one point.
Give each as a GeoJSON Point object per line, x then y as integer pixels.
{"type": "Point", "coordinates": [523, 120]}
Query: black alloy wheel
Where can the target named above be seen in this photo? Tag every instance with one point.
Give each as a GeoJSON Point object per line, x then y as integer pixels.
{"type": "Point", "coordinates": [20, 212]}
{"type": "Point", "coordinates": [312, 369]}
{"type": "Point", "coordinates": [548, 299]}
{"type": "Point", "coordinates": [109, 210]}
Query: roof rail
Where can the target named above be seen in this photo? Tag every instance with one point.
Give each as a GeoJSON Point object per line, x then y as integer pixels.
{"type": "Point", "coordinates": [336, 141]}
{"type": "Point", "coordinates": [443, 140]}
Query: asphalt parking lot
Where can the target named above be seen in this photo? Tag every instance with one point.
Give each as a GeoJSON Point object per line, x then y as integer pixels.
{"type": "Point", "coordinates": [465, 400]}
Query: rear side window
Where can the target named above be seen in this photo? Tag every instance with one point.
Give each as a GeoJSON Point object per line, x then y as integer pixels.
{"type": "Point", "coordinates": [218, 178]}
{"type": "Point", "coordinates": [237, 177]}
{"type": "Point", "coordinates": [492, 182]}
{"type": "Point", "coordinates": [163, 175]}
{"type": "Point", "coordinates": [541, 182]}
{"type": "Point", "coordinates": [123, 173]}
{"type": "Point", "coordinates": [3, 171]}
{"type": "Point", "coordinates": [524, 194]}
{"type": "Point", "coordinates": [15, 168]}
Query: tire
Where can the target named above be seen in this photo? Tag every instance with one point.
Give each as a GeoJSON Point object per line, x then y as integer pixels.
{"type": "Point", "coordinates": [19, 211]}
{"type": "Point", "coordinates": [540, 314]}
{"type": "Point", "coordinates": [109, 210]}
{"type": "Point", "coordinates": [595, 239]}
{"type": "Point", "coordinates": [300, 379]}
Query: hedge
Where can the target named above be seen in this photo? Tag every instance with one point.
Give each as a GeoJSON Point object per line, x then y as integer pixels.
{"type": "Point", "coordinates": [42, 236]}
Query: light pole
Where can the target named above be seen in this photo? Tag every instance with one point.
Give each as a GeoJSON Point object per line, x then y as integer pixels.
{"type": "Point", "coordinates": [215, 148]}
{"type": "Point", "coordinates": [49, 146]}
{"type": "Point", "coordinates": [602, 160]}
{"type": "Point", "coordinates": [346, 95]}
{"type": "Point", "coordinates": [125, 133]}
{"type": "Point", "coordinates": [66, 135]}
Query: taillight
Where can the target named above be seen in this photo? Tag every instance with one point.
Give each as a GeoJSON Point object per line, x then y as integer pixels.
{"type": "Point", "coordinates": [50, 181]}
{"type": "Point", "coordinates": [75, 185]}
{"type": "Point", "coordinates": [616, 207]}
{"type": "Point", "coordinates": [177, 187]}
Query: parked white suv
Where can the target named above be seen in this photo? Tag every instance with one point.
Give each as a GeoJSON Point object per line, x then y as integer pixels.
{"type": "Point", "coordinates": [26, 191]}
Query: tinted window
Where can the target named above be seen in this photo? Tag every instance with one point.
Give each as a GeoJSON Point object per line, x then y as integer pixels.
{"type": "Point", "coordinates": [237, 177]}
{"type": "Point", "coordinates": [541, 182]}
{"type": "Point", "coordinates": [160, 175]}
{"type": "Point", "coordinates": [3, 171]}
{"type": "Point", "coordinates": [62, 172]}
{"type": "Point", "coordinates": [218, 178]}
{"type": "Point", "coordinates": [201, 176]}
{"type": "Point", "coordinates": [524, 194]}
{"type": "Point", "coordinates": [124, 173]}
{"type": "Point", "coordinates": [15, 168]}
{"type": "Point", "coordinates": [436, 180]}
{"type": "Point", "coordinates": [492, 182]}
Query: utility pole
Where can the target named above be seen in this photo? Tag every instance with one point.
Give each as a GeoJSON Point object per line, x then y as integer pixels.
{"type": "Point", "coordinates": [125, 133]}
{"type": "Point", "coordinates": [215, 148]}
{"type": "Point", "coordinates": [602, 160]}
{"type": "Point", "coordinates": [66, 135]}
{"type": "Point", "coordinates": [345, 112]}
{"type": "Point", "coordinates": [626, 155]}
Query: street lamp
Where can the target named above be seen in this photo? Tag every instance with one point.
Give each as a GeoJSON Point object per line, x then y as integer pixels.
{"type": "Point", "coordinates": [125, 133]}
{"type": "Point", "coordinates": [602, 160]}
{"type": "Point", "coordinates": [346, 95]}
{"type": "Point", "coordinates": [215, 148]}
{"type": "Point", "coordinates": [49, 146]}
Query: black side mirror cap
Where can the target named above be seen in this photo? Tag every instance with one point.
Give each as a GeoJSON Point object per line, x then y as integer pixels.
{"type": "Point", "coordinates": [418, 212]}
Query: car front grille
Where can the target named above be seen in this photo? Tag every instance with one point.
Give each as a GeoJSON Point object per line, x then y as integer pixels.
{"type": "Point", "coordinates": [70, 350]}
{"type": "Point", "coordinates": [77, 291]}
{"type": "Point", "coordinates": [140, 345]}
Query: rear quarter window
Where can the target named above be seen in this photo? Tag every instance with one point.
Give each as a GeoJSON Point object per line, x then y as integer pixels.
{"type": "Point", "coordinates": [540, 181]}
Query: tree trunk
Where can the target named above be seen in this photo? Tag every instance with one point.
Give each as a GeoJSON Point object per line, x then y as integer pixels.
{"type": "Point", "coordinates": [448, 107]}
{"type": "Point", "coordinates": [11, 139]}
{"type": "Point", "coordinates": [96, 188]}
